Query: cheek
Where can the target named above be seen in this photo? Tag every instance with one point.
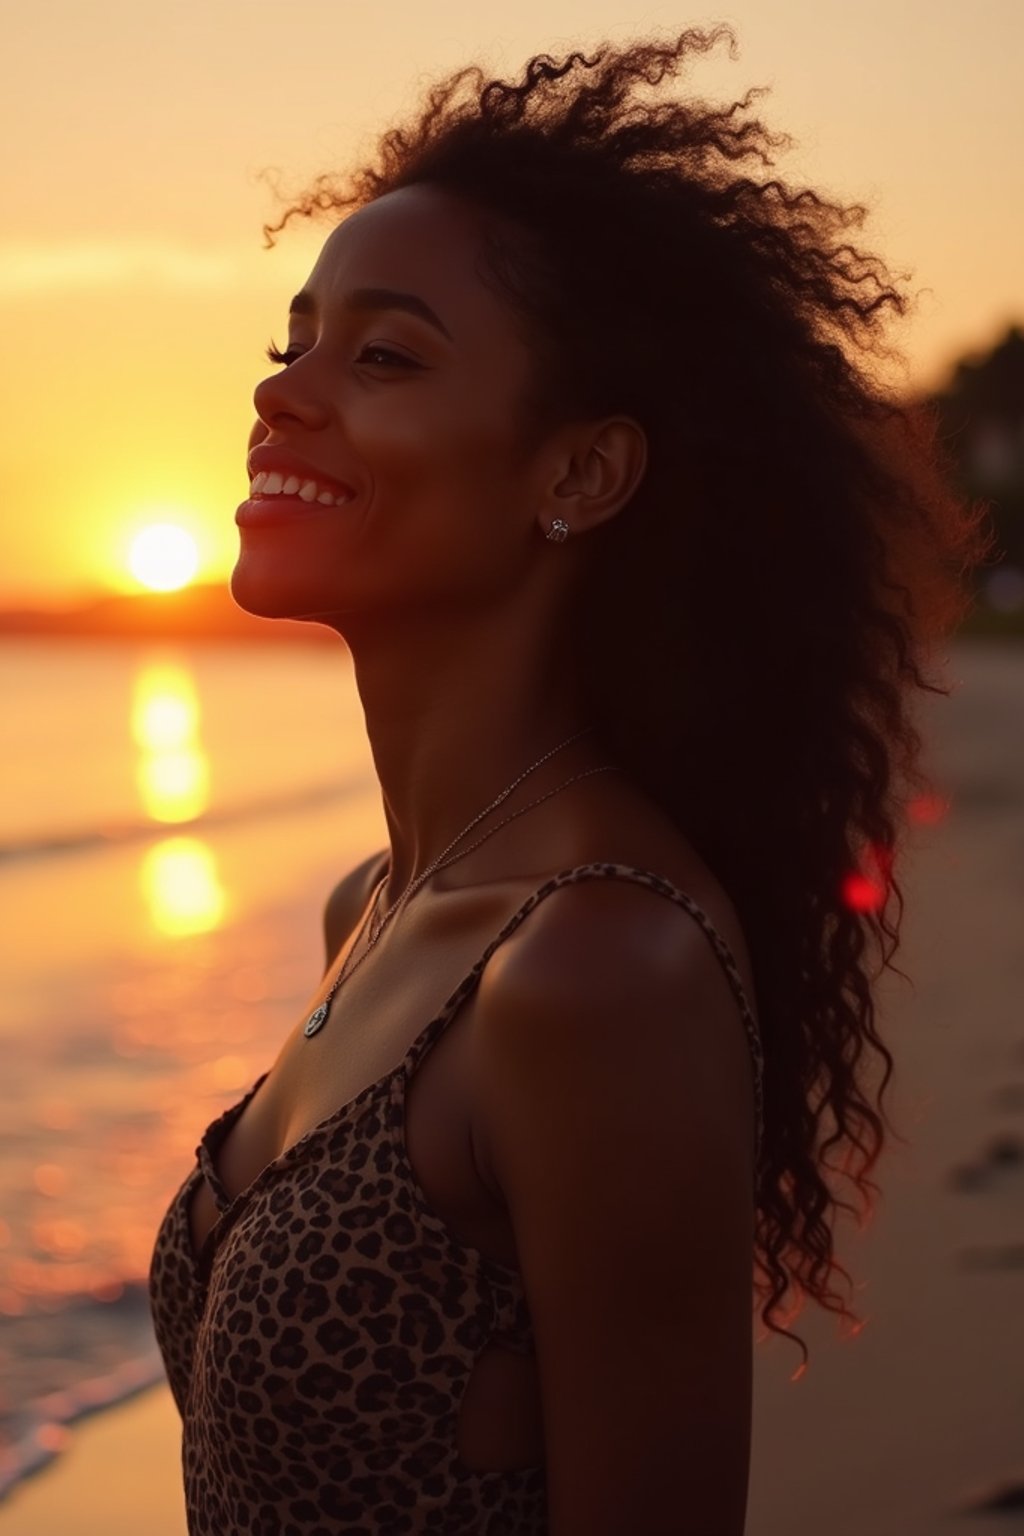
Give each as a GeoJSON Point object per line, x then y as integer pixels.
{"type": "Point", "coordinates": [451, 454]}
{"type": "Point", "coordinates": [444, 517]}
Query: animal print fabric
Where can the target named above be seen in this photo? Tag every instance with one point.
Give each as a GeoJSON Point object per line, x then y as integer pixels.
{"type": "Point", "coordinates": [319, 1344]}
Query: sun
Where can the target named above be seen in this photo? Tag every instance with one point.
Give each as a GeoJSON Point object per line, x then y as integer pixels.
{"type": "Point", "coordinates": [163, 557]}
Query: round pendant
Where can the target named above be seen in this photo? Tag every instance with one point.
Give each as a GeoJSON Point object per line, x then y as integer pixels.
{"type": "Point", "coordinates": [316, 1020]}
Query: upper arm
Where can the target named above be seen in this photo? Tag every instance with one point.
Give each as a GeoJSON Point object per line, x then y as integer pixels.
{"type": "Point", "coordinates": [346, 902]}
{"type": "Point", "coordinates": [615, 1090]}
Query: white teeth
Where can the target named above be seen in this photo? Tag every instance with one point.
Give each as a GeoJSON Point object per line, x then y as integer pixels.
{"type": "Point", "coordinates": [273, 484]}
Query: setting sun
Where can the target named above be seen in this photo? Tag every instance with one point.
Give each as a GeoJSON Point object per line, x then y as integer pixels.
{"type": "Point", "coordinates": [163, 557]}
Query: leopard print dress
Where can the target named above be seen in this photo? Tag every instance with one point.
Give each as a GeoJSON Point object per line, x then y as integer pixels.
{"type": "Point", "coordinates": [318, 1345]}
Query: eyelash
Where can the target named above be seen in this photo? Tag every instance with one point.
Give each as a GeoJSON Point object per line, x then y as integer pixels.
{"type": "Point", "coordinates": [291, 355]}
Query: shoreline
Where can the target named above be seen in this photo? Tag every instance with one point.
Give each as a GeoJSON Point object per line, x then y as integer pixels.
{"type": "Point", "coordinates": [47, 1432]}
{"type": "Point", "coordinates": [116, 1472]}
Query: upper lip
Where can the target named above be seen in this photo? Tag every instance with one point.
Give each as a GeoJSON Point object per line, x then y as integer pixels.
{"type": "Point", "coordinates": [271, 457]}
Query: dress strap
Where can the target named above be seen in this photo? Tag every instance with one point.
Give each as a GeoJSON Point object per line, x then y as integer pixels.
{"type": "Point", "coordinates": [210, 1143]}
{"type": "Point", "coordinates": [606, 870]}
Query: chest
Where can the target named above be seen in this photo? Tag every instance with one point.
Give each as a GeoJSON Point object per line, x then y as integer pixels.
{"type": "Point", "coordinates": [363, 1041]}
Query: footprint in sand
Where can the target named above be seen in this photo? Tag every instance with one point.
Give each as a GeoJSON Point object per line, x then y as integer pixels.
{"type": "Point", "coordinates": [992, 1256]}
{"type": "Point", "coordinates": [1004, 1153]}
{"type": "Point", "coordinates": [1003, 1498]}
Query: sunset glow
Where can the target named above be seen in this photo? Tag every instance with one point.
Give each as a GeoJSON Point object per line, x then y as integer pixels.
{"type": "Point", "coordinates": [163, 557]}
{"type": "Point", "coordinates": [139, 317]}
{"type": "Point", "coordinates": [226, 712]}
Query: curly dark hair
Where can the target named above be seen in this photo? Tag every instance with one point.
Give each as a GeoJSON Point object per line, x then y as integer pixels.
{"type": "Point", "coordinates": [758, 617]}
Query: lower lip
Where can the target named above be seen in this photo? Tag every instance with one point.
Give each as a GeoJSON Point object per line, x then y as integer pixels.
{"type": "Point", "coordinates": [275, 511]}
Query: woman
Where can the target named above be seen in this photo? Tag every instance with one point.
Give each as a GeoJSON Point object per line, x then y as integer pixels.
{"type": "Point", "coordinates": [577, 445]}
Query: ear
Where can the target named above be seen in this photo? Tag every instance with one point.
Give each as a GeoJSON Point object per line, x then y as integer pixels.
{"type": "Point", "coordinates": [597, 466]}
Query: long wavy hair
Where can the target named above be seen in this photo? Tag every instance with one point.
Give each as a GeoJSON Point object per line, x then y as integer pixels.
{"type": "Point", "coordinates": [758, 619]}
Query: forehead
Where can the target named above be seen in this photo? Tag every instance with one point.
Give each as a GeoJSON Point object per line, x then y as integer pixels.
{"type": "Point", "coordinates": [417, 240]}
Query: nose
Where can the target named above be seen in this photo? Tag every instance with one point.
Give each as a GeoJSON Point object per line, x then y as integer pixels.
{"type": "Point", "coordinates": [289, 398]}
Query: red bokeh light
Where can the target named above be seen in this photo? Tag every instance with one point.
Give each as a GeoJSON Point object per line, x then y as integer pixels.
{"type": "Point", "coordinates": [862, 894]}
{"type": "Point", "coordinates": [928, 810]}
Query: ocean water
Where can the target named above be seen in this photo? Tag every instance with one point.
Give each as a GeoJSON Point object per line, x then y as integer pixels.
{"type": "Point", "coordinates": [172, 820]}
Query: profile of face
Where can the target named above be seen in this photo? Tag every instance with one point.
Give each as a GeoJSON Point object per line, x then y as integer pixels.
{"type": "Point", "coordinates": [403, 386]}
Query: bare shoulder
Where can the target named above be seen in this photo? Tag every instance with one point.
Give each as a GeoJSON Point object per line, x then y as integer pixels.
{"type": "Point", "coordinates": [347, 900]}
{"type": "Point", "coordinates": [627, 827]}
{"type": "Point", "coordinates": [633, 926]}
{"type": "Point", "coordinates": [614, 1086]}
{"type": "Point", "coordinates": [612, 979]}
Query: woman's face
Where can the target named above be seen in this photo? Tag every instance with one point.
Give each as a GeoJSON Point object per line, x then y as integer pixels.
{"type": "Point", "coordinates": [402, 400]}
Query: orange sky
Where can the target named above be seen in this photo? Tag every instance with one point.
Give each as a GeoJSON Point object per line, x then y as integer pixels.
{"type": "Point", "coordinates": [136, 297]}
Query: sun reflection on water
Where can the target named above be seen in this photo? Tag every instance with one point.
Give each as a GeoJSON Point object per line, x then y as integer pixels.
{"type": "Point", "coordinates": [182, 887]}
{"type": "Point", "coordinates": [178, 875]}
{"type": "Point", "coordinates": [172, 771]}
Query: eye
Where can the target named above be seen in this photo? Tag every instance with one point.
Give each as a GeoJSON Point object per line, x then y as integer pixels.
{"type": "Point", "coordinates": [376, 356]}
{"type": "Point", "coordinates": [390, 357]}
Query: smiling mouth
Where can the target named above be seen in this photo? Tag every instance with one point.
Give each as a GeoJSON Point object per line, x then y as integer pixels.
{"type": "Point", "coordinates": [269, 483]}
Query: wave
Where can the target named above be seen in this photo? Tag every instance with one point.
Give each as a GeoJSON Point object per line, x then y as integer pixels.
{"type": "Point", "coordinates": [62, 1365]}
{"type": "Point", "coordinates": [60, 842]}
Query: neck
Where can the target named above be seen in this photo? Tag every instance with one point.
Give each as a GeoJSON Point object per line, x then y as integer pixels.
{"type": "Point", "coordinates": [453, 719]}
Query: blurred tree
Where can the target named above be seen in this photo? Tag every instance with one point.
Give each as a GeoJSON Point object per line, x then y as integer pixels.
{"type": "Point", "coordinates": [982, 415]}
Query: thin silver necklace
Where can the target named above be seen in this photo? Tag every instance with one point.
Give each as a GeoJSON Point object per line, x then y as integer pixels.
{"type": "Point", "coordinates": [318, 1017]}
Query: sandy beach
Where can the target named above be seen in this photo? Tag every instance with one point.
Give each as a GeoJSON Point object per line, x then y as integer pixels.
{"type": "Point", "coordinates": [912, 1425]}
{"type": "Point", "coordinates": [119, 1475]}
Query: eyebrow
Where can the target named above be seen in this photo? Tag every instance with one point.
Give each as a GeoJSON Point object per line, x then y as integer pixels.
{"type": "Point", "coordinates": [375, 298]}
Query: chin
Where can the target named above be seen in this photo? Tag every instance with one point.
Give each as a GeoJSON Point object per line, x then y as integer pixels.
{"type": "Point", "coordinates": [275, 593]}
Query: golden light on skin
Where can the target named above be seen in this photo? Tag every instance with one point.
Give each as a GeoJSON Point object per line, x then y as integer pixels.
{"type": "Point", "coordinates": [182, 888]}
{"type": "Point", "coordinates": [172, 772]}
{"type": "Point", "coordinates": [163, 557]}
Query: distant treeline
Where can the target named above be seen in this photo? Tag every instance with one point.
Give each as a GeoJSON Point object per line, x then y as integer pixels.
{"type": "Point", "coordinates": [982, 414]}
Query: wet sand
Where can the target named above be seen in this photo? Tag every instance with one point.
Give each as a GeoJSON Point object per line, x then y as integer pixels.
{"type": "Point", "coordinates": [119, 1475]}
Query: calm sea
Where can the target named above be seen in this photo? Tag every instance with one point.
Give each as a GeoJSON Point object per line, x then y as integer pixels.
{"type": "Point", "coordinates": [172, 819]}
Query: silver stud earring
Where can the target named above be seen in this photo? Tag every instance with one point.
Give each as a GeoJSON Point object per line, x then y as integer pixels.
{"type": "Point", "coordinates": [559, 531]}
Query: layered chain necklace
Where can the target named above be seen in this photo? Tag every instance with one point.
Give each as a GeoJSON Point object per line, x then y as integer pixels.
{"type": "Point", "coordinates": [318, 1017]}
